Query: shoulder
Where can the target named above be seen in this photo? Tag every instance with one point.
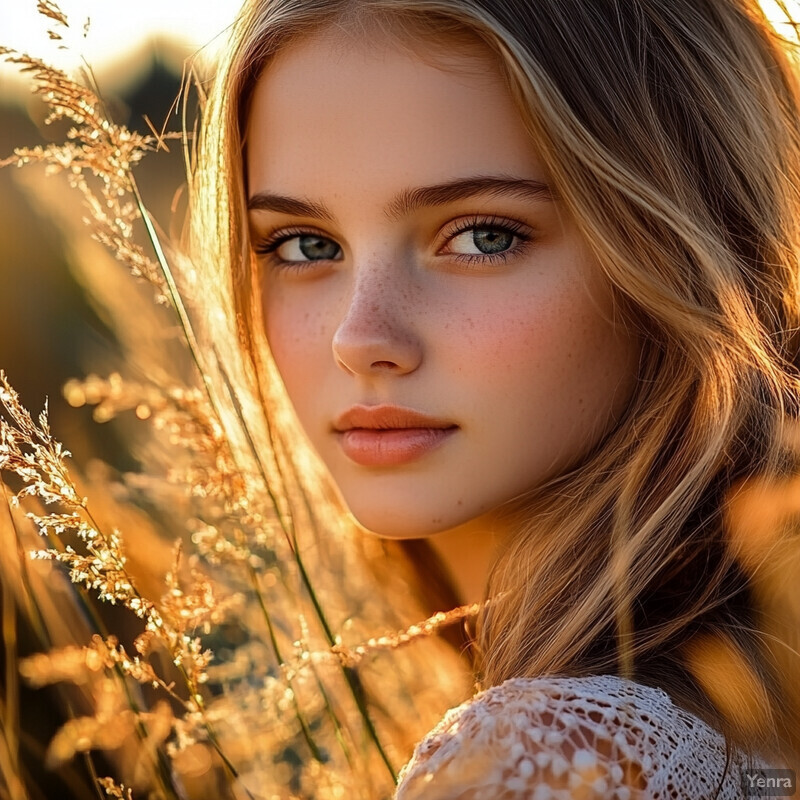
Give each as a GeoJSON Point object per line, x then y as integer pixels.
{"type": "Point", "coordinates": [556, 737]}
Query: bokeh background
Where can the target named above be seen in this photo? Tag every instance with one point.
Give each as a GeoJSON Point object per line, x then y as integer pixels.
{"type": "Point", "coordinates": [49, 330]}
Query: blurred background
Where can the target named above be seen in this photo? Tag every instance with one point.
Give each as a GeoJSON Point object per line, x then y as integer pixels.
{"type": "Point", "coordinates": [49, 330]}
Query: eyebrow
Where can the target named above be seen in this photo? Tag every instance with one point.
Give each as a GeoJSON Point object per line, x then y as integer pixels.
{"type": "Point", "coordinates": [409, 200]}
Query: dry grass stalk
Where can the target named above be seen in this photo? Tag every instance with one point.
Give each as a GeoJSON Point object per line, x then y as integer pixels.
{"type": "Point", "coordinates": [115, 790]}
{"type": "Point", "coordinates": [28, 450]}
{"type": "Point", "coordinates": [95, 147]}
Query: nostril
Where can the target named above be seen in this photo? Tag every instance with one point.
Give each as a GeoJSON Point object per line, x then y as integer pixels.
{"type": "Point", "coordinates": [387, 364]}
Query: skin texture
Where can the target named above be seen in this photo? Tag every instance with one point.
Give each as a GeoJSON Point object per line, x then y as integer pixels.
{"type": "Point", "coordinates": [523, 354]}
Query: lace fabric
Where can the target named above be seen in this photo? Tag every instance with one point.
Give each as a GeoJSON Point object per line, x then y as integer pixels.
{"type": "Point", "coordinates": [558, 738]}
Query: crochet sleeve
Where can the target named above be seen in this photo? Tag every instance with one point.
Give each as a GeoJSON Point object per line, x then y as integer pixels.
{"type": "Point", "coordinates": [551, 738]}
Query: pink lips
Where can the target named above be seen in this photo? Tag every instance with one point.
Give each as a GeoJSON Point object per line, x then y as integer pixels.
{"type": "Point", "coordinates": [385, 435]}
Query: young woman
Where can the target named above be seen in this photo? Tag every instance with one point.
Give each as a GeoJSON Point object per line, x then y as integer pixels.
{"type": "Point", "coordinates": [529, 275]}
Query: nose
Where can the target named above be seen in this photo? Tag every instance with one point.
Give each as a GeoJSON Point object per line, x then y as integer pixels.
{"type": "Point", "coordinates": [376, 334]}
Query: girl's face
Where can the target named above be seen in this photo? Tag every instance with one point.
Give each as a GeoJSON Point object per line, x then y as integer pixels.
{"type": "Point", "coordinates": [413, 255]}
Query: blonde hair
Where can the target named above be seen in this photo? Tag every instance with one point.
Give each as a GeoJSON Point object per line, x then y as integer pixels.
{"type": "Point", "coordinates": [670, 131]}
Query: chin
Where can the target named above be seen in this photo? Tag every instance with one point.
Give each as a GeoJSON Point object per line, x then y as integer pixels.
{"type": "Point", "coordinates": [401, 525]}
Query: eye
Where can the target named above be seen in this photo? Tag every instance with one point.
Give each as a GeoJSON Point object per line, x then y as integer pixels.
{"type": "Point", "coordinates": [482, 240]}
{"type": "Point", "coordinates": [297, 247]}
{"type": "Point", "coordinates": [486, 240]}
{"type": "Point", "coordinates": [306, 247]}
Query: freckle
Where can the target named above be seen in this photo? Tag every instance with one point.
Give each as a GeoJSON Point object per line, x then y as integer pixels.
{"type": "Point", "coordinates": [460, 503]}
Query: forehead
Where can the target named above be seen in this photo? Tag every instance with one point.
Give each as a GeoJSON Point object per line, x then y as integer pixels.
{"type": "Point", "coordinates": [341, 110]}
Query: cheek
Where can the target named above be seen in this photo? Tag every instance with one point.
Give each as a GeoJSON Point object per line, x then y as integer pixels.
{"type": "Point", "coordinates": [520, 334]}
{"type": "Point", "coordinates": [550, 359]}
{"type": "Point", "coordinates": [296, 339]}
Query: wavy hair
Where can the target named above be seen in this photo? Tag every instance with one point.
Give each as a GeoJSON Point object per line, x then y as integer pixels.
{"type": "Point", "coordinates": [670, 131]}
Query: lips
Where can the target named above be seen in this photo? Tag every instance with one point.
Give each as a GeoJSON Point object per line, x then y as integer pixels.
{"type": "Point", "coordinates": [386, 417]}
{"type": "Point", "coordinates": [379, 436]}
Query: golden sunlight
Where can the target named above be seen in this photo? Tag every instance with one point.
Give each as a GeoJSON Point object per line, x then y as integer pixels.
{"type": "Point", "coordinates": [775, 13]}
{"type": "Point", "coordinates": [112, 34]}
{"type": "Point", "coordinates": [112, 37]}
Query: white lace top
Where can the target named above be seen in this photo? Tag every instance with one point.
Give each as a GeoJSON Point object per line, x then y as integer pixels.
{"type": "Point", "coordinates": [587, 738]}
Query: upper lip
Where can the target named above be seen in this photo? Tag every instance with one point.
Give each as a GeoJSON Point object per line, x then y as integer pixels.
{"type": "Point", "coordinates": [385, 417]}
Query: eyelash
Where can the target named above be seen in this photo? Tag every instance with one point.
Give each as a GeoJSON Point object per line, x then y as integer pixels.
{"type": "Point", "coordinates": [497, 224]}
{"type": "Point", "coordinates": [268, 245]}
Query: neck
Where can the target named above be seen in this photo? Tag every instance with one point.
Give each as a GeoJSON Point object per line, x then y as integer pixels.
{"type": "Point", "coordinates": [468, 553]}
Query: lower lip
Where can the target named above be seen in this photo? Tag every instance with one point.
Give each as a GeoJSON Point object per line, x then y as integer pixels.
{"type": "Point", "coordinates": [383, 448]}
